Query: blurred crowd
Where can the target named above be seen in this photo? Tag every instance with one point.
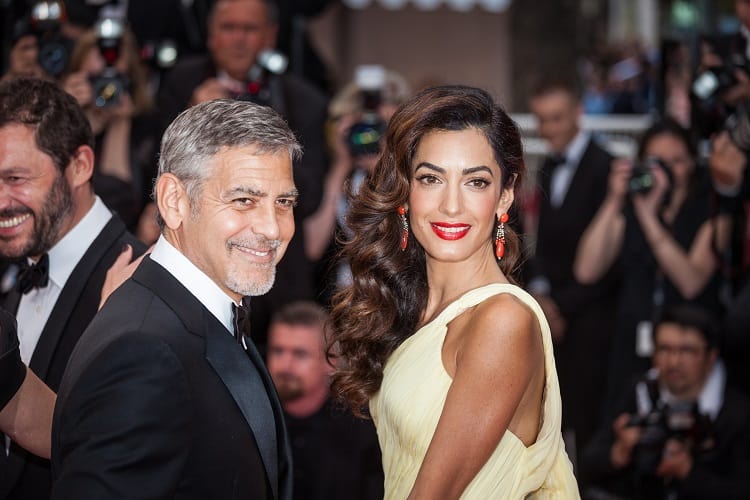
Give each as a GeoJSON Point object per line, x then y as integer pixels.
{"type": "Point", "coordinates": [640, 263]}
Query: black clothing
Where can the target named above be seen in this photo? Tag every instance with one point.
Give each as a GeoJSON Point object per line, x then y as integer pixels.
{"type": "Point", "coordinates": [27, 476]}
{"type": "Point", "coordinates": [305, 109]}
{"type": "Point", "coordinates": [587, 309]}
{"type": "Point", "coordinates": [721, 472]}
{"type": "Point", "coordinates": [336, 456]}
{"type": "Point", "coordinates": [12, 370]}
{"type": "Point", "coordinates": [646, 291]}
{"type": "Point", "coordinates": [159, 401]}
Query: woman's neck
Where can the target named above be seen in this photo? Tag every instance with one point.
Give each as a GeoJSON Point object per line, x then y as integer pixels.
{"type": "Point", "coordinates": [447, 282]}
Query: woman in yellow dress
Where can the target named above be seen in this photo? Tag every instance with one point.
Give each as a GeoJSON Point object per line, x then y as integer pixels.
{"type": "Point", "coordinates": [454, 360]}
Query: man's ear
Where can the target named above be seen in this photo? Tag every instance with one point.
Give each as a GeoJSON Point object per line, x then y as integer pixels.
{"type": "Point", "coordinates": [81, 167]}
{"type": "Point", "coordinates": [172, 200]}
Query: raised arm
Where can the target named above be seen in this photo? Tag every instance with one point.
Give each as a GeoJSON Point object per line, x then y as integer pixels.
{"type": "Point", "coordinates": [602, 241]}
{"type": "Point", "coordinates": [689, 270]}
{"type": "Point", "coordinates": [320, 226]}
{"type": "Point", "coordinates": [498, 377]}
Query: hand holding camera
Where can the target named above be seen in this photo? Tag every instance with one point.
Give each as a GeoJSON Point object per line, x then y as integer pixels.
{"type": "Point", "coordinates": [626, 438]}
{"type": "Point", "coordinates": [649, 185]}
{"type": "Point", "coordinates": [676, 461]}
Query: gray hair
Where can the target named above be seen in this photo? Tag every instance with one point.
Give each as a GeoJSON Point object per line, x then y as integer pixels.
{"type": "Point", "coordinates": [200, 132]}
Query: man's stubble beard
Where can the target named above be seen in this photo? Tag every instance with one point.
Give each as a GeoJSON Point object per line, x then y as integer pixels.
{"type": "Point", "coordinates": [47, 223]}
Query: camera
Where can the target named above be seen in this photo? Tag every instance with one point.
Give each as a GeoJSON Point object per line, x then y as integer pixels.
{"type": "Point", "coordinates": [681, 420]}
{"type": "Point", "coordinates": [45, 20]}
{"type": "Point", "coordinates": [642, 176]}
{"type": "Point", "coordinates": [258, 88]}
{"type": "Point", "coordinates": [364, 136]}
{"type": "Point", "coordinates": [108, 86]}
{"type": "Point", "coordinates": [711, 113]}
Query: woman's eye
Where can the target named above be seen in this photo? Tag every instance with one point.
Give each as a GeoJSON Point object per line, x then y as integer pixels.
{"type": "Point", "coordinates": [428, 179]}
{"type": "Point", "coordinates": [479, 183]}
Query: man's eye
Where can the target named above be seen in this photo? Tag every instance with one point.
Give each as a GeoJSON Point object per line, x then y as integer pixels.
{"type": "Point", "coordinates": [287, 202]}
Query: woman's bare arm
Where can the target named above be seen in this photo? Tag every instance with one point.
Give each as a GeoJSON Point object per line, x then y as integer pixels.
{"type": "Point", "coordinates": [498, 369]}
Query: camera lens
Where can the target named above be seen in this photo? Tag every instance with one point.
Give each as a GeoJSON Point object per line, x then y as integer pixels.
{"type": "Point", "coordinates": [641, 180]}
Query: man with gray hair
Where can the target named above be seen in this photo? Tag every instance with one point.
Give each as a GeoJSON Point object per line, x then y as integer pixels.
{"type": "Point", "coordinates": [159, 400]}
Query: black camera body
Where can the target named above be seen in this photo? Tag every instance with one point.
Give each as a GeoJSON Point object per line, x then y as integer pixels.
{"type": "Point", "coordinates": [108, 86]}
{"type": "Point", "coordinates": [259, 85]}
{"type": "Point", "coordinates": [681, 420]}
{"type": "Point", "coordinates": [642, 176]}
{"type": "Point", "coordinates": [364, 136]}
{"type": "Point", "coordinates": [45, 20]}
{"type": "Point", "coordinates": [711, 114]}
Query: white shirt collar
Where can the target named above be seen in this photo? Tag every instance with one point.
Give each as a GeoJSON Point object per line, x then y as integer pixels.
{"type": "Point", "coordinates": [64, 256]}
{"type": "Point", "coordinates": [575, 149]}
{"type": "Point", "coordinates": [710, 400]}
{"type": "Point", "coordinates": [196, 281]}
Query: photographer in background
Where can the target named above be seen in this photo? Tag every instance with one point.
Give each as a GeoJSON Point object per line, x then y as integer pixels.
{"type": "Point", "coordinates": [23, 57]}
{"type": "Point", "coordinates": [658, 222]}
{"type": "Point", "coordinates": [682, 432]}
{"type": "Point", "coordinates": [728, 164]}
{"type": "Point", "coordinates": [358, 114]}
{"type": "Point", "coordinates": [110, 82]}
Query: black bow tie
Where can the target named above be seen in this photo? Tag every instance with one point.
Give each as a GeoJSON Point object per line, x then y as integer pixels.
{"type": "Point", "coordinates": [32, 276]}
{"type": "Point", "coordinates": [556, 160]}
{"type": "Point", "coordinates": [241, 319]}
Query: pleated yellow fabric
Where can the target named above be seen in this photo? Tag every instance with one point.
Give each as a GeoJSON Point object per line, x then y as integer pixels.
{"type": "Point", "coordinates": [411, 398]}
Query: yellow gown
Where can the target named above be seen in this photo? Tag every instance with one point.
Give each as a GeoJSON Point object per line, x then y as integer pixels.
{"type": "Point", "coordinates": [411, 398]}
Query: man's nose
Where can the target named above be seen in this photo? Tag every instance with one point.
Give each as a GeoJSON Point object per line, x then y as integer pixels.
{"type": "Point", "coordinates": [265, 222]}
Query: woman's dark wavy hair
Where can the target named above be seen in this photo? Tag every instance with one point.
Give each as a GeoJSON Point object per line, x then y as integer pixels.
{"type": "Point", "coordinates": [383, 305]}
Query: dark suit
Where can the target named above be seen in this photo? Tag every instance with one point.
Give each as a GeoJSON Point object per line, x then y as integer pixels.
{"type": "Point", "coordinates": [582, 355]}
{"type": "Point", "coordinates": [159, 401]}
{"type": "Point", "coordinates": [721, 472]}
{"type": "Point", "coordinates": [305, 109]}
{"type": "Point", "coordinates": [27, 477]}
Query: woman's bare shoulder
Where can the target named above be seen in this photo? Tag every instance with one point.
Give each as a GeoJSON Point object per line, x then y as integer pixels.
{"type": "Point", "coordinates": [500, 326]}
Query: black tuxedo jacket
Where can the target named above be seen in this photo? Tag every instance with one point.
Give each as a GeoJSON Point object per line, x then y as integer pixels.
{"type": "Point", "coordinates": [588, 309]}
{"type": "Point", "coordinates": [560, 229]}
{"type": "Point", "coordinates": [159, 401]}
{"type": "Point", "coordinates": [26, 476]}
{"type": "Point", "coordinates": [306, 110]}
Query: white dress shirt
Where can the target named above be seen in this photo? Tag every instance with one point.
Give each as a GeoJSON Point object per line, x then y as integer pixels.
{"type": "Point", "coordinates": [563, 174]}
{"type": "Point", "coordinates": [196, 281]}
{"type": "Point", "coordinates": [36, 306]}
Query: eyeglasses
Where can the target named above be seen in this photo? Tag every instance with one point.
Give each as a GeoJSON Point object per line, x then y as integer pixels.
{"type": "Point", "coordinates": [685, 350]}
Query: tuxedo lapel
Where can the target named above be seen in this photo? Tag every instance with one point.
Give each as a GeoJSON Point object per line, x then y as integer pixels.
{"type": "Point", "coordinates": [242, 373]}
{"type": "Point", "coordinates": [249, 392]}
{"type": "Point", "coordinates": [69, 300]}
{"type": "Point", "coordinates": [67, 304]}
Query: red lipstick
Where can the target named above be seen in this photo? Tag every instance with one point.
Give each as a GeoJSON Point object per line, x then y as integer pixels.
{"type": "Point", "coordinates": [447, 231]}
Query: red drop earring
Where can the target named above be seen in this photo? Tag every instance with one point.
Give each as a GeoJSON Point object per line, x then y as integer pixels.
{"type": "Point", "coordinates": [404, 227]}
{"type": "Point", "coordinates": [500, 237]}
